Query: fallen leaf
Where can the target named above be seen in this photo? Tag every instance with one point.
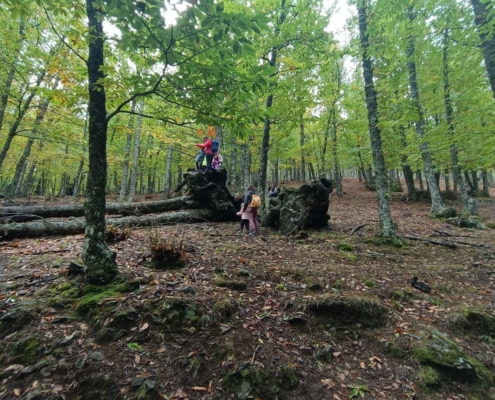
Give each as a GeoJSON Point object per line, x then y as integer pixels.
{"type": "Point", "coordinates": [161, 350]}
{"type": "Point", "coordinates": [137, 359]}
{"type": "Point", "coordinates": [17, 392]}
{"type": "Point", "coordinates": [199, 388]}
{"type": "Point", "coordinates": [342, 377]}
{"type": "Point", "coordinates": [144, 327]}
{"type": "Point", "coordinates": [362, 364]}
{"type": "Point", "coordinates": [336, 396]}
{"type": "Point", "coordinates": [328, 383]}
{"type": "Point", "coordinates": [336, 354]}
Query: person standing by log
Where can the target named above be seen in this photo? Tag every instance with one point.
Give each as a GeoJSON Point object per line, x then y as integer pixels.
{"type": "Point", "coordinates": [252, 202]}
{"type": "Point", "coordinates": [206, 146]}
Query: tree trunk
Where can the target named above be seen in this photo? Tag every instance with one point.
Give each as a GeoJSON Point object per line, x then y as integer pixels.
{"type": "Point", "coordinates": [167, 175]}
{"type": "Point", "coordinates": [469, 183]}
{"type": "Point", "coordinates": [127, 152]}
{"type": "Point", "coordinates": [484, 19]}
{"type": "Point", "coordinates": [77, 226]}
{"type": "Point", "coordinates": [406, 168]}
{"type": "Point", "coordinates": [135, 159]}
{"type": "Point", "coordinates": [333, 134]}
{"type": "Point", "coordinates": [267, 125]}
{"type": "Point", "coordinates": [233, 162]}
{"type": "Point", "coordinates": [486, 187]}
{"type": "Point", "coordinates": [22, 111]}
{"type": "Point", "coordinates": [446, 176]}
{"type": "Point", "coordinates": [476, 186]}
{"type": "Point", "coordinates": [98, 258]}
{"type": "Point", "coordinates": [387, 227]}
{"type": "Point", "coordinates": [10, 77]}
{"type": "Point", "coordinates": [303, 160]}
{"type": "Point", "coordinates": [438, 208]}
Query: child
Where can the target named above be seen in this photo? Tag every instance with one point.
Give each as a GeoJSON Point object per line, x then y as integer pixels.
{"type": "Point", "coordinates": [199, 159]}
{"type": "Point", "coordinates": [244, 219]}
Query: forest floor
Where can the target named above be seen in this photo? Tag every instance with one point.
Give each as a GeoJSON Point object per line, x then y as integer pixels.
{"type": "Point", "coordinates": [330, 316]}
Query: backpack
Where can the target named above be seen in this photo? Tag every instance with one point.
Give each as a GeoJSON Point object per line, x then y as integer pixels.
{"type": "Point", "coordinates": [255, 202]}
{"type": "Point", "coordinates": [215, 144]}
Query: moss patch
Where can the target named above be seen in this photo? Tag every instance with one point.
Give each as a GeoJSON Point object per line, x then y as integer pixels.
{"type": "Point", "coordinates": [231, 284]}
{"type": "Point", "coordinates": [350, 311]}
{"type": "Point", "coordinates": [26, 350]}
{"type": "Point", "coordinates": [442, 354]}
{"type": "Point", "coordinates": [474, 321]}
{"type": "Point", "coordinates": [345, 247]}
{"type": "Point", "coordinates": [177, 315]}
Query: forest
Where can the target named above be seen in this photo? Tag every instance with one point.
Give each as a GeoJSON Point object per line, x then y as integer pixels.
{"type": "Point", "coordinates": [102, 105]}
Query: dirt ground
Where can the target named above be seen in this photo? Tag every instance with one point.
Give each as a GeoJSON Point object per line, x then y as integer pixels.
{"type": "Point", "coordinates": [245, 317]}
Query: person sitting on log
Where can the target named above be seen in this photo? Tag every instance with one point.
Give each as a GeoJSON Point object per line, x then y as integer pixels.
{"type": "Point", "coordinates": [252, 202]}
{"type": "Point", "coordinates": [206, 146]}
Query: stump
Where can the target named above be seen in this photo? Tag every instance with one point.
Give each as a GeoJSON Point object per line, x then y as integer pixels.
{"type": "Point", "coordinates": [300, 209]}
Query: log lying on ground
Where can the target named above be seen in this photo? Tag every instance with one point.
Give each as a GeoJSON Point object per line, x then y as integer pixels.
{"type": "Point", "coordinates": [77, 225]}
{"type": "Point", "coordinates": [31, 213]}
{"type": "Point", "coordinates": [208, 199]}
{"type": "Point", "coordinates": [299, 209]}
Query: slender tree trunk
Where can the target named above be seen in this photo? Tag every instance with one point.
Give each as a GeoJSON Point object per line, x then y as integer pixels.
{"type": "Point", "coordinates": [484, 19]}
{"type": "Point", "coordinates": [233, 162]}
{"type": "Point", "coordinates": [476, 186]}
{"type": "Point", "coordinates": [486, 187]}
{"type": "Point", "coordinates": [167, 176]}
{"type": "Point", "coordinates": [303, 160]}
{"type": "Point", "coordinates": [333, 135]}
{"type": "Point", "coordinates": [22, 111]}
{"type": "Point", "coordinates": [135, 159]}
{"type": "Point", "coordinates": [468, 181]}
{"type": "Point", "coordinates": [324, 149]}
{"type": "Point", "coordinates": [10, 77]}
{"type": "Point", "coordinates": [267, 125]}
{"type": "Point", "coordinates": [438, 208]}
{"type": "Point", "coordinates": [100, 261]}
{"type": "Point", "coordinates": [127, 152]}
{"type": "Point", "coordinates": [387, 227]}
{"type": "Point", "coordinates": [446, 176]}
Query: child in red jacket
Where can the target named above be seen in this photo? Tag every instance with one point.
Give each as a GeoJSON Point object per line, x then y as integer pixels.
{"type": "Point", "coordinates": [206, 146]}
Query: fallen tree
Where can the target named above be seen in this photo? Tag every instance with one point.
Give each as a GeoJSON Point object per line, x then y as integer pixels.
{"type": "Point", "coordinates": [207, 199]}
{"type": "Point", "coordinates": [299, 209]}
{"type": "Point", "coordinates": [31, 213]}
{"type": "Point", "coordinates": [77, 225]}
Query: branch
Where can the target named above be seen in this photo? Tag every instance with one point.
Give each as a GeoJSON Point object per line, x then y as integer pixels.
{"type": "Point", "coordinates": [62, 39]}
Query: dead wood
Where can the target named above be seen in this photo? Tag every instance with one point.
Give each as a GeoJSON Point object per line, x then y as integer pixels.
{"type": "Point", "coordinates": [31, 213]}
{"type": "Point", "coordinates": [449, 245]}
{"type": "Point", "coordinates": [76, 226]}
{"type": "Point", "coordinates": [357, 228]}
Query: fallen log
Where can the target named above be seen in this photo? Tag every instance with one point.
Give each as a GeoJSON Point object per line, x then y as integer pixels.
{"type": "Point", "coordinates": [31, 213]}
{"type": "Point", "coordinates": [445, 244]}
{"type": "Point", "coordinates": [76, 226]}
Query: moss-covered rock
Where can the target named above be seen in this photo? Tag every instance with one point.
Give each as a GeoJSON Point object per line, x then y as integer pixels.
{"type": "Point", "coordinates": [478, 322]}
{"type": "Point", "coordinates": [177, 315]}
{"type": "Point", "coordinates": [26, 350]}
{"type": "Point", "coordinates": [225, 309]}
{"type": "Point", "coordinates": [16, 320]}
{"type": "Point", "coordinates": [444, 355]}
{"type": "Point", "coordinates": [350, 311]}
{"type": "Point", "coordinates": [429, 377]}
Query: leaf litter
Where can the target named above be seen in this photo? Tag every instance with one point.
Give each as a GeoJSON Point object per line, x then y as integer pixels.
{"type": "Point", "coordinates": [265, 325]}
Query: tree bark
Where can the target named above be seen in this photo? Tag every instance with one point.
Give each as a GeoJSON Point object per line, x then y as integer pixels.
{"type": "Point", "coordinates": [78, 226]}
{"type": "Point", "coordinates": [10, 77]}
{"type": "Point", "coordinates": [135, 159]}
{"type": "Point", "coordinates": [127, 152]}
{"type": "Point", "coordinates": [303, 159]}
{"type": "Point", "coordinates": [98, 258]}
{"type": "Point", "coordinates": [438, 208]}
{"type": "Point", "coordinates": [22, 111]}
{"type": "Point", "coordinates": [387, 227]}
{"type": "Point", "coordinates": [486, 187]}
{"type": "Point", "coordinates": [484, 19]}
{"type": "Point", "coordinates": [167, 175]}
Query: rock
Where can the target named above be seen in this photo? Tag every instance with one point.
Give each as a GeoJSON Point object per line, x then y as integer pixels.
{"type": "Point", "coordinates": [46, 372]}
{"type": "Point", "coordinates": [61, 319]}
{"type": "Point", "coordinates": [137, 381]}
{"type": "Point", "coordinates": [189, 290]}
{"type": "Point", "coordinates": [447, 358]}
{"type": "Point", "coordinates": [41, 364]}
{"type": "Point", "coordinates": [27, 370]}
{"type": "Point", "coordinates": [56, 266]}
{"type": "Point", "coordinates": [76, 269]}
{"type": "Point", "coordinates": [21, 292]}
{"type": "Point", "coordinates": [96, 355]}
{"type": "Point", "coordinates": [34, 394]}
{"type": "Point", "coordinates": [149, 384]}
{"type": "Point", "coordinates": [15, 321]}
{"type": "Point", "coordinates": [118, 335]}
